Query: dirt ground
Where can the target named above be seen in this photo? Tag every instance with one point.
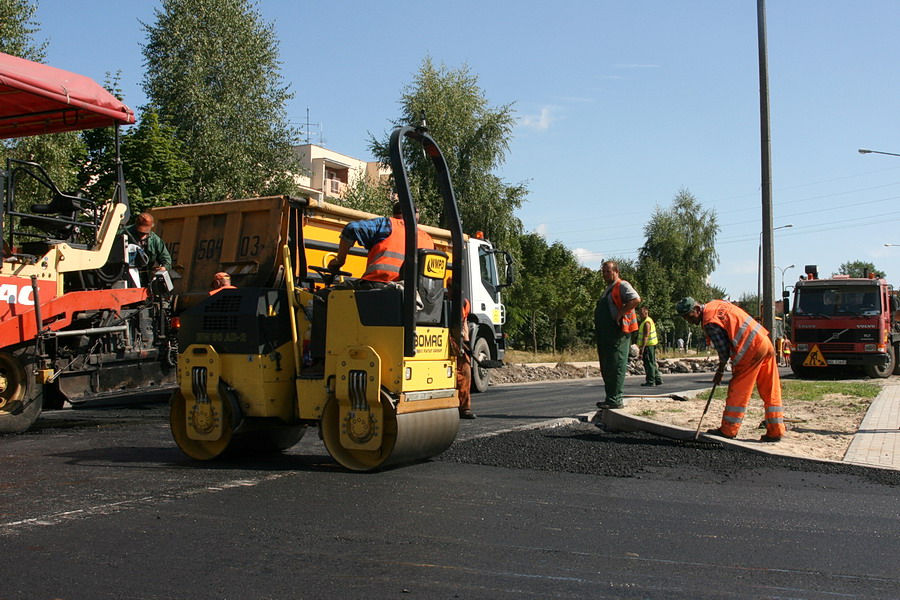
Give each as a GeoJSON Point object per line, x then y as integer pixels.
{"type": "Point", "coordinates": [821, 428]}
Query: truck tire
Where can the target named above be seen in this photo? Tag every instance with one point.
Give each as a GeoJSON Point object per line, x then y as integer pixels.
{"type": "Point", "coordinates": [481, 378]}
{"type": "Point", "coordinates": [20, 395]}
{"type": "Point", "coordinates": [883, 371]}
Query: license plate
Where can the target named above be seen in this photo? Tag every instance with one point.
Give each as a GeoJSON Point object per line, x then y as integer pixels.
{"type": "Point", "coordinates": [837, 361]}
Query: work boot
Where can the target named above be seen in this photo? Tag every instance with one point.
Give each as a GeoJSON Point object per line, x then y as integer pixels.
{"type": "Point", "coordinates": [466, 414]}
{"type": "Point", "coordinates": [608, 404]}
{"type": "Point", "coordinates": [648, 384]}
{"type": "Point", "coordinates": [767, 438]}
{"type": "Point", "coordinates": [718, 432]}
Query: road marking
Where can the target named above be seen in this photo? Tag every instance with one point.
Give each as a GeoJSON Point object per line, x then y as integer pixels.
{"type": "Point", "coordinates": [58, 518]}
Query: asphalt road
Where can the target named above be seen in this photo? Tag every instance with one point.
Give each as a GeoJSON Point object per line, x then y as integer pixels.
{"type": "Point", "coordinates": [99, 503]}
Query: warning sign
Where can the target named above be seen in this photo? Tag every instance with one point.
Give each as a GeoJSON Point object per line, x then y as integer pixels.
{"type": "Point", "coordinates": [815, 358]}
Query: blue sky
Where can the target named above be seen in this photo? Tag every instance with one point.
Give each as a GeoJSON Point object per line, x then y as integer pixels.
{"type": "Point", "coordinates": [619, 105]}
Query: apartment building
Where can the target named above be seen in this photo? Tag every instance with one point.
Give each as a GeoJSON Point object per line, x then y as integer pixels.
{"type": "Point", "coordinates": [328, 174]}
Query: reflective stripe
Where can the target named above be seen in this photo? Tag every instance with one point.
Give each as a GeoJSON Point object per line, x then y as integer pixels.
{"type": "Point", "coordinates": [740, 351]}
{"type": "Point", "coordinates": [775, 420]}
{"type": "Point", "coordinates": [771, 409]}
{"type": "Point", "coordinates": [735, 420]}
{"type": "Point", "coordinates": [736, 409]}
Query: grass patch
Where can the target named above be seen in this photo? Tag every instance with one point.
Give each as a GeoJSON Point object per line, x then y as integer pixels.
{"type": "Point", "coordinates": [647, 412]}
{"type": "Point", "coordinates": [809, 391]}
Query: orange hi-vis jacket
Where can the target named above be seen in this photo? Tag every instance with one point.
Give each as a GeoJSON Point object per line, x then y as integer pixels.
{"type": "Point", "coordinates": [745, 334]}
{"type": "Point", "coordinates": [387, 256]}
{"type": "Point", "coordinates": [629, 321]}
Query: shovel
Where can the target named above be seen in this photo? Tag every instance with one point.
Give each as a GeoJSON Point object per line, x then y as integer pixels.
{"type": "Point", "coordinates": [676, 397]}
{"type": "Point", "coordinates": [706, 408]}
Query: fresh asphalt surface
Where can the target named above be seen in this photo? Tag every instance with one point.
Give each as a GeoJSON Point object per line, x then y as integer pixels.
{"type": "Point", "coordinates": [98, 503]}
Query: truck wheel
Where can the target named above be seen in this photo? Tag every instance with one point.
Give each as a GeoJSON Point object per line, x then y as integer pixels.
{"type": "Point", "coordinates": [883, 371]}
{"type": "Point", "coordinates": [481, 378]}
{"type": "Point", "coordinates": [896, 360]}
{"type": "Point", "coordinates": [20, 396]}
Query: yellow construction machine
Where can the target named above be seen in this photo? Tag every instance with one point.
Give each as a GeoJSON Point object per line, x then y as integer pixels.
{"type": "Point", "coordinates": [385, 390]}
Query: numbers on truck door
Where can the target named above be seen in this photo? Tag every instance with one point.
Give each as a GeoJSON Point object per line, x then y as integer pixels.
{"type": "Point", "coordinates": [209, 249]}
{"type": "Point", "coordinates": [249, 246]}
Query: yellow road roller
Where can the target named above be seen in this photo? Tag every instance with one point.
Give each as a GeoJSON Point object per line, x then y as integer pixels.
{"type": "Point", "coordinates": [383, 389]}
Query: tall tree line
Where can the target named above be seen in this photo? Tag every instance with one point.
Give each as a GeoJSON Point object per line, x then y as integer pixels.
{"type": "Point", "coordinates": [215, 127]}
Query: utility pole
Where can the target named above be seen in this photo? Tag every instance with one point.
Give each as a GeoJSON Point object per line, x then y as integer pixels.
{"type": "Point", "coordinates": [768, 247]}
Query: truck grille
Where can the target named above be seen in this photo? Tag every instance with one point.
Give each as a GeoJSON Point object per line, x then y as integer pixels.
{"type": "Point", "coordinates": [840, 337]}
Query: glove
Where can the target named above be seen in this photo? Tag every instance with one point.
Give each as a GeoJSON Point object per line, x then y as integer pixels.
{"type": "Point", "coordinates": [717, 378]}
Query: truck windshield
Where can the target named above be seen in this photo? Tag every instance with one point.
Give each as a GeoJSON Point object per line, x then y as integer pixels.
{"type": "Point", "coordinates": [837, 301]}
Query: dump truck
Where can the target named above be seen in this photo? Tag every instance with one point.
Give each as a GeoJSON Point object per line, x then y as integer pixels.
{"type": "Point", "coordinates": [840, 322]}
{"type": "Point", "coordinates": [385, 390]}
{"type": "Point", "coordinates": [73, 324]}
{"type": "Point", "coordinates": [243, 238]}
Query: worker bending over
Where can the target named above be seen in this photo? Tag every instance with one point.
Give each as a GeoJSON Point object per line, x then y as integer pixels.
{"type": "Point", "coordinates": [739, 337]}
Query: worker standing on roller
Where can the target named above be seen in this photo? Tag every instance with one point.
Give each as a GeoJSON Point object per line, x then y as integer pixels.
{"type": "Point", "coordinates": [740, 338]}
{"type": "Point", "coordinates": [384, 238]}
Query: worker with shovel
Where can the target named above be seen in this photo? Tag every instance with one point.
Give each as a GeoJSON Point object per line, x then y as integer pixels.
{"type": "Point", "coordinates": [740, 338]}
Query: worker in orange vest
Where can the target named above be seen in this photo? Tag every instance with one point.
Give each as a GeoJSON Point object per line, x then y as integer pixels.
{"type": "Point", "coordinates": [614, 322]}
{"type": "Point", "coordinates": [738, 337]}
{"type": "Point", "coordinates": [384, 238]}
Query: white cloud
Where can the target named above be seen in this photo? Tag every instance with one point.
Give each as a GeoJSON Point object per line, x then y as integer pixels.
{"type": "Point", "coordinates": [541, 230]}
{"type": "Point", "coordinates": [589, 259]}
{"type": "Point", "coordinates": [539, 122]}
{"type": "Point", "coordinates": [636, 66]}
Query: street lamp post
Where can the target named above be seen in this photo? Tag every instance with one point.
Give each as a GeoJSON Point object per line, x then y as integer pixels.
{"type": "Point", "coordinates": [763, 304]}
{"type": "Point", "coordinates": [867, 151]}
{"type": "Point", "coordinates": [782, 276]}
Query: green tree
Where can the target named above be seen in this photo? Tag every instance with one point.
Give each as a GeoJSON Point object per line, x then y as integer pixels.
{"type": "Point", "coordinates": [474, 138]}
{"type": "Point", "coordinates": [680, 246]}
{"type": "Point", "coordinates": [18, 29]}
{"type": "Point", "coordinates": [155, 167]}
{"type": "Point", "coordinates": [859, 268]}
{"type": "Point", "coordinates": [61, 153]}
{"type": "Point", "coordinates": [213, 74]}
{"type": "Point", "coordinates": [370, 195]}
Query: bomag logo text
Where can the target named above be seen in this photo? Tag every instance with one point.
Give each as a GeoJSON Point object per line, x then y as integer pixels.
{"type": "Point", "coordinates": [206, 337]}
{"type": "Point", "coordinates": [429, 341]}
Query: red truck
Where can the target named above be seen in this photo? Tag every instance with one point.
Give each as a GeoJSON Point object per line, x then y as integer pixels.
{"type": "Point", "coordinates": [843, 322]}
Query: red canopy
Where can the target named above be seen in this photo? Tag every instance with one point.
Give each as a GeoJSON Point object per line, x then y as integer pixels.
{"type": "Point", "coordinates": [37, 98]}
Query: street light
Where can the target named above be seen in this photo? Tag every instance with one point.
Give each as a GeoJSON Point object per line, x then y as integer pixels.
{"type": "Point", "coordinates": [886, 244]}
{"type": "Point", "coordinates": [782, 276]}
{"type": "Point", "coordinates": [867, 151]}
{"type": "Point", "coordinates": [759, 267]}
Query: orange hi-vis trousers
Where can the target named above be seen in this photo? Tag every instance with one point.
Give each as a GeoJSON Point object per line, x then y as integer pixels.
{"type": "Point", "coordinates": [759, 368]}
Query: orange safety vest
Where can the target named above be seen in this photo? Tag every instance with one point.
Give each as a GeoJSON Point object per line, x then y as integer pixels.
{"type": "Point", "coordinates": [387, 256]}
{"type": "Point", "coordinates": [629, 321]}
{"type": "Point", "coordinates": [224, 287]}
{"type": "Point", "coordinates": [745, 334]}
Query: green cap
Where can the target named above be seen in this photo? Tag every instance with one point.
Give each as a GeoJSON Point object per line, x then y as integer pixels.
{"type": "Point", "coordinates": [685, 305]}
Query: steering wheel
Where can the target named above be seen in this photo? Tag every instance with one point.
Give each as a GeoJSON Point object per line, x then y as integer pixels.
{"type": "Point", "coordinates": [328, 275]}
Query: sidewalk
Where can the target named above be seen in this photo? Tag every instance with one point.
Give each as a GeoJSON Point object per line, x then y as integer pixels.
{"type": "Point", "coordinates": [877, 442]}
